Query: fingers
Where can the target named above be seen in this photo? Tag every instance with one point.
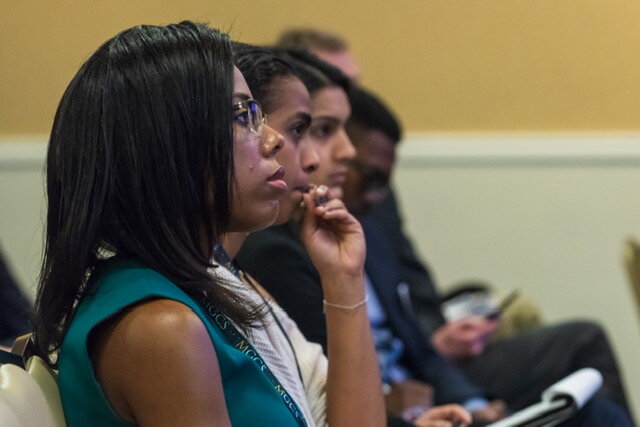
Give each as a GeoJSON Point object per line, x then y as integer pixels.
{"type": "Point", "coordinates": [324, 206]}
{"type": "Point", "coordinates": [330, 205]}
{"type": "Point", "coordinates": [473, 327]}
{"type": "Point", "coordinates": [332, 210]}
{"type": "Point", "coordinates": [494, 411]}
{"type": "Point", "coordinates": [472, 322]}
{"type": "Point", "coordinates": [493, 323]}
{"type": "Point", "coordinates": [499, 408]}
{"type": "Point", "coordinates": [477, 347]}
{"type": "Point", "coordinates": [452, 413]}
{"type": "Point", "coordinates": [462, 338]}
{"type": "Point", "coordinates": [309, 219]}
{"type": "Point", "coordinates": [319, 194]}
{"type": "Point", "coordinates": [337, 216]}
{"type": "Point", "coordinates": [466, 330]}
{"type": "Point", "coordinates": [446, 414]}
{"type": "Point", "coordinates": [432, 423]}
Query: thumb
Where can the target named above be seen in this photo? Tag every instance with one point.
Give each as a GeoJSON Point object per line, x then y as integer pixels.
{"type": "Point", "coordinates": [317, 196]}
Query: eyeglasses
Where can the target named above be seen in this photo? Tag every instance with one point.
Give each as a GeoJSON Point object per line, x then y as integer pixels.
{"type": "Point", "coordinates": [250, 115]}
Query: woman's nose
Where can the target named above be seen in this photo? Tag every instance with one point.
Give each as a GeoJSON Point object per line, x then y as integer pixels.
{"type": "Point", "coordinates": [309, 159]}
{"type": "Point", "coordinates": [344, 149]}
{"type": "Point", "coordinates": [272, 142]}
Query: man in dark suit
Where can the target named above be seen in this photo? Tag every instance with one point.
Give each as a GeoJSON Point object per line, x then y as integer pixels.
{"type": "Point", "coordinates": [517, 369]}
{"type": "Point", "coordinates": [279, 262]}
{"type": "Point", "coordinates": [277, 259]}
{"type": "Point", "coordinates": [532, 360]}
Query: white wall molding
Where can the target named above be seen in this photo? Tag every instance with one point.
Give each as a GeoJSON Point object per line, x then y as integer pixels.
{"type": "Point", "coordinates": [19, 152]}
{"type": "Point", "coordinates": [443, 149]}
{"type": "Point", "coordinates": [481, 149]}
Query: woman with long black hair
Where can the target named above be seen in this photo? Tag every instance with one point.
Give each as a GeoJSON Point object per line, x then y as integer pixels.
{"type": "Point", "coordinates": [157, 150]}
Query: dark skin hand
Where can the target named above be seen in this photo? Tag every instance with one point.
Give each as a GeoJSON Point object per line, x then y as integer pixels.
{"type": "Point", "coordinates": [466, 337]}
{"type": "Point", "coordinates": [335, 242]}
{"type": "Point", "coordinates": [494, 411]}
{"type": "Point", "coordinates": [444, 416]}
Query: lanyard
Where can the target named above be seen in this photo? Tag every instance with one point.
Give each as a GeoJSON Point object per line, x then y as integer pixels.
{"type": "Point", "coordinates": [238, 341]}
{"type": "Point", "coordinates": [223, 258]}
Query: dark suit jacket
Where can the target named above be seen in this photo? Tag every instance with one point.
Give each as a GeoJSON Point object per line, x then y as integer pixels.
{"type": "Point", "coordinates": [413, 270]}
{"type": "Point", "coordinates": [278, 260]}
{"type": "Point", "coordinates": [505, 368]}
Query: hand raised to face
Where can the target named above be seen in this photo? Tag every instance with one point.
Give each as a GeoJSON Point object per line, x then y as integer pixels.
{"type": "Point", "coordinates": [333, 237]}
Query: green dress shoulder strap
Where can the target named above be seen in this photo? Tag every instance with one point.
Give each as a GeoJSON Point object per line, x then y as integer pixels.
{"type": "Point", "coordinates": [250, 397]}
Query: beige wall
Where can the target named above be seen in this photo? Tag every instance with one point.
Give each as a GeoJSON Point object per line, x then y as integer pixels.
{"type": "Point", "coordinates": [443, 64]}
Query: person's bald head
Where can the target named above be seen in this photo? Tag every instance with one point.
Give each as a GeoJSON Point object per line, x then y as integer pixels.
{"type": "Point", "coordinates": [328, 46]}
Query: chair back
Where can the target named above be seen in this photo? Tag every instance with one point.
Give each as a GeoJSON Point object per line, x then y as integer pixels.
{"type": "Point", "coordinates": [632, 264]}
{"type": "Point", "coordinates": [7, 416]}
{"type": "Point", "coordinates": [22, 395]}
{"type": "Point", "coordinates": [30, 398]}
{"type": "Point", "coordinates": [47, 379]}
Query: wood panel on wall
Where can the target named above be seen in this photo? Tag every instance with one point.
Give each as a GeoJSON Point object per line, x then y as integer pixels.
{"type": "Point", "coordinates": [442, 64]}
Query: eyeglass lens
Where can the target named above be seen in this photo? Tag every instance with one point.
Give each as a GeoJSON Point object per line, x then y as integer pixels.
{"type": "Point", "coordinates": [256, 117]}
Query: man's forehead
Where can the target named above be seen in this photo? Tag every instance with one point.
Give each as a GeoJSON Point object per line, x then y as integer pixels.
{"type": "Point", "coordinates": [343, 60]}
{"type": "Point", "coordinates": [374, 141]}
{"type": "Point", "coordinates": [376, 149]}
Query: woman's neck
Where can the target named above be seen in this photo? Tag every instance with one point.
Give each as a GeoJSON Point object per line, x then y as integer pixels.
{"type": "Point", "coordinates": [232, 242]}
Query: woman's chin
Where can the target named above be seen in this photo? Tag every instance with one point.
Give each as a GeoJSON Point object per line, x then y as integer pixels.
{"type": "Point", "coordinates": [287, 211]}
{"type": "Point", "coordinates": [257, 220]}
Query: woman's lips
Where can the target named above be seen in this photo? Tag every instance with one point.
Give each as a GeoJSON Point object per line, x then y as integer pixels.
{"type": "Point", "coordinates": [338, 178]}
{"type": "Point", "coordinates": [303, 188]}
{"type": "Point", "coordinates": [277, 179]}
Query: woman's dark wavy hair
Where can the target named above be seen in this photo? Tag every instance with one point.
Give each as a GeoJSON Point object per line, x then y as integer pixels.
{"type": "Point", "coordinates": [261, 68]}
{"type": "Point", "coordinates": [314, 72]}
{"type": "Point", "coordinates": [140, 165]}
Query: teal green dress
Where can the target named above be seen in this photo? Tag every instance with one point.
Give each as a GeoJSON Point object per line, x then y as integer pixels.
{"type": "Point", "coordinates": [249, 395]}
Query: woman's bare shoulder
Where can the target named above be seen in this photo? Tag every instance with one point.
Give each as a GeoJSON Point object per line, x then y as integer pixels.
{"type": "Point", "coordinates": [156, 361]}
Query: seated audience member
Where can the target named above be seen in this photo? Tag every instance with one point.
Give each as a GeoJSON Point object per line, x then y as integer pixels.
{"type": "Point", "coordinates": [15, 310]}
{"type": "Point", "coordinates": [285, 99]}
{"type": "Point", "coordinates": [299, 291]}
{"type": "Point", "coordinates": [157, 151]}
{"type": "Point", "coordinates": [371, 176]}
{"type": "Point", "coordinates": [426, 301]}
{"type": "Point", "coordinates": [567, 346]}
{"type": "Point", "coordinates": [531, 360]}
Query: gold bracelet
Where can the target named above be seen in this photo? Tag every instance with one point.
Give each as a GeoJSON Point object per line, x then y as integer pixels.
{"type": "Point", "coordinates": [345, 307]}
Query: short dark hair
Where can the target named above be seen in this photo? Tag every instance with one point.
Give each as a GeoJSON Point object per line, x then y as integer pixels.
{"type": "Point", "coordinates": [140, 165]}
{"type": "Point", "coordinates": [314, 72]}
{"type": "Point", "coordinates": [309, 39]}
{"type": "Point", "coordinates": [261, 67]}
{"type": "Point", "coordinates": [368, 111]}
